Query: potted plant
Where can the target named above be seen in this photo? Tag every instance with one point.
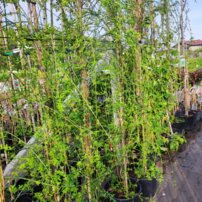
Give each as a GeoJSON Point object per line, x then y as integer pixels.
{"type": "Point", "coordinates": [116, 191]}
{"type": "Point", "coordinates": [148, 177]}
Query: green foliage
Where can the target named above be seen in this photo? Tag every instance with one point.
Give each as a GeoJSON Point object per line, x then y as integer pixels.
{"type": "Point", "coordinates": [176, 141]}
{"type": "Point", "coordinates": [194, 63]}
{"type": "Point", "coordinates": [95, 93]}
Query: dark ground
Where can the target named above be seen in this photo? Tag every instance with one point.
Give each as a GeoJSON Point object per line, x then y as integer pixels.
{"type": "Point", "coordinates": [183, 176]}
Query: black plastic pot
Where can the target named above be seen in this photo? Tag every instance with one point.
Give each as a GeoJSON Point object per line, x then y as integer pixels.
{"type": "Point", "coordinates": [149, 187]}
{"type": "Point", "coordinates": [128, 200]}
{"type": "Point", "coordinates": [24, 198]}
{"type": "Point", "coordinates": [136, 197]}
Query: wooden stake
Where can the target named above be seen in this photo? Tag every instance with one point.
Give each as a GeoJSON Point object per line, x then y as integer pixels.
{"type": "Point", "coordinates": [87, 137]}
{"type": "Point", "coordinates": [17, 11]}
{"type": "Point", "coordinates": [138, 14]}
{"type": "Point", "coordinates": [2, 197]}
{"type": "Point", "coordinates": [6, 48]}
{"type": "Point", "coordinates": [34, 27]}
{"type": "Point", "coordinates": [186, 73]}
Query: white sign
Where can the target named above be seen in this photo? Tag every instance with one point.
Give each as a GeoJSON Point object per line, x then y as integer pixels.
{"type": "Point", "coordinates": [182, 62]}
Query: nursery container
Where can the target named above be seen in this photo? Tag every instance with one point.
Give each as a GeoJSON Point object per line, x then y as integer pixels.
{"type": "Point", "coordinates": [136, 197]}
{"type": "Point", "coordinates": [149, 187]}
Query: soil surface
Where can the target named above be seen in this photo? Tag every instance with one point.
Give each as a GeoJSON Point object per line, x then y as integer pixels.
{"type": "Point", "coordinates": [183, 176]}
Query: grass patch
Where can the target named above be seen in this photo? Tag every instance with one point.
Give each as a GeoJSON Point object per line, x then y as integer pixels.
{"type": "Point", "coordinates": [194, 64]}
